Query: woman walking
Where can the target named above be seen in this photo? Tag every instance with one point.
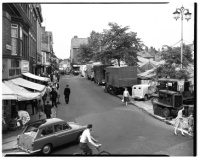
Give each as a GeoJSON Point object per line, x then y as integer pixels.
{"type": "Point", "coordinates": [126, 96]}
{"type": "Point", "coordinates": [179, 121]}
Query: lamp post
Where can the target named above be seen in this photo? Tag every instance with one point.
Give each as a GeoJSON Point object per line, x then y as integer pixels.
{"type": "Point", "coordinates": [177, 13]}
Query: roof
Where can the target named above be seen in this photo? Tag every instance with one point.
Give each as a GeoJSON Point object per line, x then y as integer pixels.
{"type": "Point", "coordinates": [76, 42]}
{"type": "Point", "coordinates": [51, 121]}
{"type": "Point", "coordinates": [145, 54]}
{"type": "Point", "coordinates": [147, 66]}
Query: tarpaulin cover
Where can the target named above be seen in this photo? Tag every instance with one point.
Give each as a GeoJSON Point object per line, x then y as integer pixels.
{"type": "Point", "coordinates": [21, 93]}
{"type": "Point", "coordinates": [30, 75]}
{"type": "Point", "coordinates": [28, 84]}
{"type": "Point", "coordinates": [7, 93]}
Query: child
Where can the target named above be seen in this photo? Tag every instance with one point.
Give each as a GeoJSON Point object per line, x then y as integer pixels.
{"type": "Point", "coordinates": [190, 125]}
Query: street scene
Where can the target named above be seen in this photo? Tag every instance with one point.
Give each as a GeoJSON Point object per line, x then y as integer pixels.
{"type": "Point", "coordinates": [110, 93]}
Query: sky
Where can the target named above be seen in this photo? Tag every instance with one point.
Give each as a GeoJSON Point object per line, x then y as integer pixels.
{"type": "Point", "coordinates": [153, 23]}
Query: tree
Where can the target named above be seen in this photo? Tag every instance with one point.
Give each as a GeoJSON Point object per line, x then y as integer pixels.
{"type": "Point", "coordinates": [172, 58]}
{"type": "Point", "coordinates": [120, 44]}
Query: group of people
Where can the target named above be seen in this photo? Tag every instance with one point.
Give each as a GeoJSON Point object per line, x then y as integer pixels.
{"type": "Point", "coordinates": [179, 123]}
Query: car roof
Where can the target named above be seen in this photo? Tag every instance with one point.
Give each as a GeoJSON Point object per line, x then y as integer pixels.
{"type": "Point", "coordinates": [46, 122]}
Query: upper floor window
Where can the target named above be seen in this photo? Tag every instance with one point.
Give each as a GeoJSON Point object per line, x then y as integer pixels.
{"type": "Point", "coordinates": [14, 36]}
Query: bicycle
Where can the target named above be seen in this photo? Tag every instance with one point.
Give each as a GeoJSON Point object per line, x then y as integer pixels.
{"type": "Point", "coordinates": [99, 152]}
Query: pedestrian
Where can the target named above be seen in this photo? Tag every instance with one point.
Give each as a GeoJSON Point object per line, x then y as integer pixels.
{"type": "Point", "coordinates": [44, 97]}
{"type": "Point", "coordinates": [58, 76]}
{"type": "Point", "coordinates": [40, 108]}
{"type": "Point", "coordinates": [53, 112]}
{"type": "Point", "coordinates": [67, 92]}
{"type": "Point", "coordinates": [54, 97]}
{"type": "Point", "coordinates": [190, 125]}
{"type": "Point", "coordinates": [47, 110]}
{"type": "Point", "coordinates": [126, 96]}
{"type": "Point", "coordinates": [179, 121]}
{"type": "Point", "coordinates": [48, 91]}
{"type": "Point", "coordinates": [23, 117]}
{"type": "Point", "coordinates": [34, 106]}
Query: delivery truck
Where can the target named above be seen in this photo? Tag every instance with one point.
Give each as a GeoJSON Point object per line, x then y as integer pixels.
{"type": "Point", "coordinates": [120, 77]}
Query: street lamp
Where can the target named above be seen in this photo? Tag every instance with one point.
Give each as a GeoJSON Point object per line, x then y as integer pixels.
{"type": "Point", "coordinates": [177, 13]}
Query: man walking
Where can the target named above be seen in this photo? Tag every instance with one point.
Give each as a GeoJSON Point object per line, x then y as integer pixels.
{"type": "Point", "coordinates": [54, 97]}
{"type": "Point", "coordinates": [67, 93]}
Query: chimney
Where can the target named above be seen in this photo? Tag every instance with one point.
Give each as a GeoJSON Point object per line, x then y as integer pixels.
{"type": "Point", "coordinates": [75, 36]}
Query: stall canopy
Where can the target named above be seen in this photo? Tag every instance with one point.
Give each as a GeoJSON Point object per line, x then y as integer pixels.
{"type": "Point", "coordinates": [30, 75]}
{"type": "Point", "coordinates": [21, 94]}
{"type": "Point", "coordinates": [7, 93]}
{"type": "Point", "coordinates": [28, 84]}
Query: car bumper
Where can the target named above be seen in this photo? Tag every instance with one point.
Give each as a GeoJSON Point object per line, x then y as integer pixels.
{"type": "Point", "coordinates": [27, 150]}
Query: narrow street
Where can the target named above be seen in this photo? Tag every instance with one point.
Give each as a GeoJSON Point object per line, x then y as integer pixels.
{"type": "Point", "coordinates": [122, 130]}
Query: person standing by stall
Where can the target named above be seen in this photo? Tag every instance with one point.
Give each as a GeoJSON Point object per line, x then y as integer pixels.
{"type": "Point", "coordinates": [47, 110]}
{"type": "Point", "coordinates": [23, 117]}
{"type": "Point", "coordinates": [54, 97]}
{"type": "Point", "coordinates": [40, 108]}
{"type": "Point", "coordinates": [67, 92]}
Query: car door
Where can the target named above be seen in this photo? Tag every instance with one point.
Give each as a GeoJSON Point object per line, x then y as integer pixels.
{"type": "Point", "coordinates": [63, 133]}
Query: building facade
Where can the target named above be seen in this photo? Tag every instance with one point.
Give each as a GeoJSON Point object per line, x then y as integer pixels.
{"type": "Point", "coordinates": [19, 39]}
{"type": "Point", "coordinates": [47, 50]}
{"type": "Point", "coordinates": [74, 51]}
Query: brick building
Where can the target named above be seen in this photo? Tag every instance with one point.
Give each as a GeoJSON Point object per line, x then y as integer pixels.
{"type": "Point", "coordinates": [75, 44]}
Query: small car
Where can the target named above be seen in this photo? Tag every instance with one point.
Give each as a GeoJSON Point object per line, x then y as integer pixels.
{"type": "Point", "coordinates": [43, 135]}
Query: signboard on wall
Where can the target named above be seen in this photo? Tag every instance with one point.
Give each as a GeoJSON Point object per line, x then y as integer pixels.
{"type": "Point", "coordinates": [24, 66]}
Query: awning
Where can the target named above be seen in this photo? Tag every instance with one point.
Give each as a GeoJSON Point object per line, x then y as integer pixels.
{"type": "Point", "coordinates": [28, 84]}
{"type": "Point", "coordinates": [30, 75]}
{"type": "Point", "coordinates": [7, 93]}
{"type": "Point", "coordinates": [21, 93]}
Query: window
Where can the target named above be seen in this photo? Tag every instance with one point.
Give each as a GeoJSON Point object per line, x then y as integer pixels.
{"type": "Point", "coordinates": [14, 36]}
{"type": "Point", "coordinates": [58, 127]}
{"type": "Point", "coordinates": [47, 131]}
{"type": "Point", "coordinates": [66, 126]}
{"type": "Point", "coordinates": [25, 46]}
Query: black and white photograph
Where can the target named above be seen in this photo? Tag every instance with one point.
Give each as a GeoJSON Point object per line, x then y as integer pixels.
{"type": "Point", "coordinates": [115, 79]}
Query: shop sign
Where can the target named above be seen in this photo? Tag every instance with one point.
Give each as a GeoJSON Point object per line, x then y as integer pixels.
{"type": "Point", "coordinates": [24, 66]}
{"type": "Point", "coordinates": [8, 47]}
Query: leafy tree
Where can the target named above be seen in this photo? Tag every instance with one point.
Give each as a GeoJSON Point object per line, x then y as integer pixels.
{"type": "Point", "coordinates": [85, 53]}
{"type": "Point", "coordinates": [120, 44]}
{"type": "Point", "coordinates": [172, 58]}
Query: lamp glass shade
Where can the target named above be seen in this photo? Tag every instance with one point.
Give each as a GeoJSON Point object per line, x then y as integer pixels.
{"type": "Point", "coordinates": [188, 16]}
{"type": "Point", "coordinates": [176, 15]}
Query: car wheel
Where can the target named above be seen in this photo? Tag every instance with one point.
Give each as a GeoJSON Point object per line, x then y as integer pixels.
{"type": "Point", "coordinates": [166, 112]}
{"type": "Point", "coordinates": [47, 149]}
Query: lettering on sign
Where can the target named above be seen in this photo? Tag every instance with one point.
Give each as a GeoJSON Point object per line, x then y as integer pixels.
{"type": "Point", "coordinates": [8, 47]}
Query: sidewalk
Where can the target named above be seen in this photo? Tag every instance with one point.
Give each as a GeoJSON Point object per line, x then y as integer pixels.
{"type": "Point", "coordinates": [148, 108]}
{"type": "Point", "coordinates": [9, 139]}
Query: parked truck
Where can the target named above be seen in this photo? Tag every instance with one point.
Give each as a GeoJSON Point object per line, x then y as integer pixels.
{"type": "Point", "coordinates": [117, 78]}
{"type": "Point", "coordinates": [100, 73]}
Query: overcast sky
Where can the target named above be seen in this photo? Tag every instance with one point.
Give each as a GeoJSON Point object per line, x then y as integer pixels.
{"type": "Point", "coordinates": [154, 23]}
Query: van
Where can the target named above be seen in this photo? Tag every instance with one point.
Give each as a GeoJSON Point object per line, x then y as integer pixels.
{"type": "Point", "coordinates": [140, 91]}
